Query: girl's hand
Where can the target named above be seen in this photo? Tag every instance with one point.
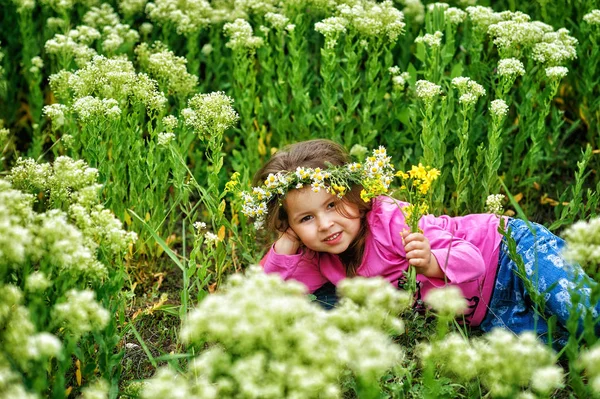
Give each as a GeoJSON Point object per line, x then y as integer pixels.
{"type": "Point", "coordinates": [288, 243]}
{"type": "Point", "coordinates": [418, 254]}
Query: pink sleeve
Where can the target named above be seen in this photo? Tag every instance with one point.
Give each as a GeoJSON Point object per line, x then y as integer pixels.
{"type": "Point", "coordinates": [460, 260]}
{"type": "Point", "coordinates": [302, 267]}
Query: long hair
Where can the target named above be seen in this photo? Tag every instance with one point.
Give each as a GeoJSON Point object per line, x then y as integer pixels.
{"type": "Point", "coordinates": [315, 154]}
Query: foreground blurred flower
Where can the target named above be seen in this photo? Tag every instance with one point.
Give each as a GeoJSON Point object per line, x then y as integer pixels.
{"type": "Point", "coordinates": [447, 301]}
{"type": "Point", "coordinates": [583, 244]}
{"type": "Point", "coordinates": [80, 313]}
{"type": "Point", "coordinates": [504, 363]}
{"type": "Point", "coordinates": [267, 340]}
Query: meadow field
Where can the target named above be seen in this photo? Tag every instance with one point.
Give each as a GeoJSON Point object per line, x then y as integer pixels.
{"type": "Point", "coordinates": [128, 129]}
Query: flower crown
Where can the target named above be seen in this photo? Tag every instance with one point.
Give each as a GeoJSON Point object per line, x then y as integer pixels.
{"type": "Point", "coordinates": [375, 175]}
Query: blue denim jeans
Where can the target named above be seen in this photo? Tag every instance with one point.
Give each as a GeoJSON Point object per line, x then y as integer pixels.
{"type": "Point", "coordinates": [326, 296]}
{"type": "Point", "coordinates": [511, 306]}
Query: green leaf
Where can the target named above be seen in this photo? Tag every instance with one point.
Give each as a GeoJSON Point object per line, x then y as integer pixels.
{"type": "Point", "coordinates": [160, 242]}
{"type": "Point", "coordinates": [457, 70]}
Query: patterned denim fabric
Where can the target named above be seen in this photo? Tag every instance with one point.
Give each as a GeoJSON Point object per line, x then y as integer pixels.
{"type": "Point", "coordinates": [511, 306]}
{"type": "Point", "coordinates": [326, 296]}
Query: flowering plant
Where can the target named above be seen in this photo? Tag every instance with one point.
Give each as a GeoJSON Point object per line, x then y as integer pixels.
{"type": "Point", "coordinates": [415, 187]}
{"type": "Point", "coordinates": [375, 175]}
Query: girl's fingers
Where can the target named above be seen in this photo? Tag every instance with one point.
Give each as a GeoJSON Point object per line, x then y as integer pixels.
{"type": "Point", "coordinates": [415, 246]}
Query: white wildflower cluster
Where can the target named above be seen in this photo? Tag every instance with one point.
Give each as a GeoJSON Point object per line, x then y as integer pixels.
{"type": "Point", "coordinates": [210, 238]}
{"type": "Point", "coordinates": [431, 40]}
{"type": "Point", "coordinates": [331, 28]}
{"type": "Point", "coordinates": [37, 282]}
{"type": "Point", "coordinates": [427, 91]}
{"type": "Point", "coordinates": [100, 227]}
{"type": "Point", "coordinates": [375, 176]}
{"type": "Point", "coordinates": [146, 28]}
{"type": "Point", "coordinates": [555, 48]}
{"type": "Point", "coordinates": [267, 340]}
{"type": "Point", "coordinates": [20, 341]}
{"type": "Point", "coordinates": [24, 6]}
{"type": "Point", "coordinates": [443, 6]}
{"type": "Point", "coordinates": [590, 361]}
{"type": "Point", "coordinates": [447, 302]}
{"type": "Point", "coordinates": [64, 6]}
{"type": "Point", "coordinates": [164, 138]}
{"type": "Point", "coordinates": [11, 384]}
{"type": "Point", "coordinates": [323, 6]}
{"type": "Point", "coordinates": [186, 17]}
{"type": "Point", "coordinates": [112, 84]}
{"type": "Point", "coordinates": [36, 65]}
{"type": "Point", "coordinates": [510, 67]}
{"type": "Point", "coordinates": [493, 203]}
{"type": "Point", "coordinates": [399, 79]}
{"type": "Point", "coordinates": [583, 243]}
{"type": "Point", "coordinates": [72, 183]}
{"type": "Point", "coordinates": [469, 90]}
{"type": "Point", "coordinates": [4, 133]}
{"type": "Point", "coordinates": [257, 7]}
{"type": "Point", "coordinates": [170, 122]}
{"type": "Point", "coordinates": [592, 18]}
{"type": "Point", "coordinates": [370, 302]}
{"type": "Point", "coordinates": [455, 16]}
{"type": "Point", "coordinates": [117, 37]}
{"type": "Point", "coordinates": [556, 72]}
{"type": "Point", "coordinates": [63, 244]}
{"type": "Point", "coordinates": [44, 252]}
{"type": "Point", "coordinates": [96, 390]}
{"type": "Point", "coordinates": [55, 24]}
{"type": "Point", "coordinates": [74, 45]}
{"type": "Point", "coordinates": [277, 21]}
{"type": "Point", "coordinates": [131, 8]}
{"type": "Point", "coordinates": [93, 109]}
{"type": "Point", "coordinates": [454, 356]}
{"type": "Point", "coordinates": [210, 114]}
{"type": "Point", "coordinates": [167, 69]}
{"type": "Point", "coordinates": [99, 17]}
{"type": "Point", "coordinates": [199, 226]}
{"type": "Point", "coordinates": [482, 17]}
{"type": "Point", "coordinates": [499, 109]}
{"type": "Point", "coordinates": [414, 10]}
{"type": "Point", "coordinates": [504, 363]}
{"type": "Point", "coordinates": [241, 36]}
{"type": "Point", "coordinates": [60, 180]}
{"type": "Point", "coordinates": [80, 313]}
{"type": "Point", "coordinates": [515, 35]}
{"type": "Point", "coordinates": [56, 113]}
{"type": "Point", "coordinates": [15, 213]}
{"type": "Point", "coordinates": [373, 20]}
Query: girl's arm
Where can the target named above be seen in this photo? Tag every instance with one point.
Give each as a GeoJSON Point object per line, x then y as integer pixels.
{"type": "Point", "coordinates": [459, 260]}
{"type": "Point", "coordinates": [288, 243]}
{"type": "Point", "coordinates": [285, 259]}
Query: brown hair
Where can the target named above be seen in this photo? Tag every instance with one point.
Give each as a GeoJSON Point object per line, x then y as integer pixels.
{"type": "Point", "coordinates": [315, 154]}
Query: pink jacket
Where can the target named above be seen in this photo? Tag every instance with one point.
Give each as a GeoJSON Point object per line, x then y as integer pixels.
{"type": "Point", "coordinates": [466, 248]}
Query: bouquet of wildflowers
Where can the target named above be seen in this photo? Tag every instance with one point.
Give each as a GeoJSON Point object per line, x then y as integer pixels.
{"type": "Point", "coordinates": [415, 188]}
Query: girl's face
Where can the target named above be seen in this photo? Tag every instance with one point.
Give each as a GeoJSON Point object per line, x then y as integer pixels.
{"type": "Point", "coordinates": [317, 222]}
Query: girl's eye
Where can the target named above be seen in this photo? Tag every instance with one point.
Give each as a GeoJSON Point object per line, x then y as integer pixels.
{"type": "Point", "coordinates": [331, 205]}
{"type": "Point", "coordinates": [305, 218]}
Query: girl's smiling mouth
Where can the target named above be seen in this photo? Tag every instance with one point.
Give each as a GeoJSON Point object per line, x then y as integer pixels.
{"type": "Point", "coordinates": [334, 238]}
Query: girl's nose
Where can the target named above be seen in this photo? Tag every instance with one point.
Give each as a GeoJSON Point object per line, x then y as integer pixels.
{"type": "Point", "coordinates": [325, 223]}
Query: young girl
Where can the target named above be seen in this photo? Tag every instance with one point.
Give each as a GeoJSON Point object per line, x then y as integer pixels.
{"type": "Point", "coordinates": [328, 233]}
